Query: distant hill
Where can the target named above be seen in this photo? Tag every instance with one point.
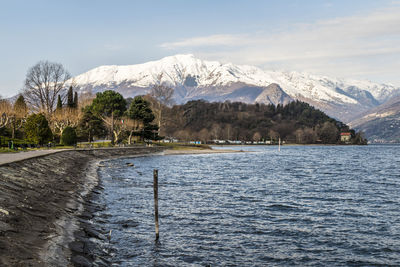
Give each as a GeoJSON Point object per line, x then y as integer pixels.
{"type": "Point", "coordinates": [295, 122]}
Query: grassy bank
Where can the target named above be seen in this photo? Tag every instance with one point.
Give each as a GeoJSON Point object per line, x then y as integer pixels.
{"type": "Point", "coordinates": [183, 146]}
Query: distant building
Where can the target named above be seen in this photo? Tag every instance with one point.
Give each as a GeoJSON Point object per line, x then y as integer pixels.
{"type": "Point", "coordinates": [345, 137]}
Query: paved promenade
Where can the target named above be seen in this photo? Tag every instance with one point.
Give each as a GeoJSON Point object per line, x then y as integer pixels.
{"type": "Point", "coordinates": [11, 157]}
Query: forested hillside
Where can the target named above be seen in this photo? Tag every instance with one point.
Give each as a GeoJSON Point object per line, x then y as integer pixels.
{"type": "Point", "coordinates": [296, 122]}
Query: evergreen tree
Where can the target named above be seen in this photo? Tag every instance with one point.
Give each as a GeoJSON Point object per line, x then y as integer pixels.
{"type": "Point", "coordinates": [20, 105]}
{"type": "Point", "coordinates": [37, 129]}
{"type": "Point", "coordinates": [68, 136]}
{"type": "Point", "coordinates": [70, 97]}
{"type": "Point", "coordinates": [90, 125]}
{"type": "Point", "coordinates": [76, 100]}
{"type": "Point", "coordinates": [140, 110]}
{"type": "Point", "coordinates": [59, 103]}
{"type": "Point", "coordinates": [20, 112]}
{"type": "Point", "coordinates": [109, 104]}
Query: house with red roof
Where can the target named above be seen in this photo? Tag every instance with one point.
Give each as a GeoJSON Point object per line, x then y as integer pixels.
{"type": "Point", "coordinates": [345, 137]}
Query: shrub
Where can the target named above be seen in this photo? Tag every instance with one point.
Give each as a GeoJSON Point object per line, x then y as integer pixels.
{"type": "Point", "coordinates": [69, 137]}
{"type": "Point", "coordinates": [37, 129]}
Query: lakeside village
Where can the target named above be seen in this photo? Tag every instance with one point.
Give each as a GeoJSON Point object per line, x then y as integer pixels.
{"type": "Point", "coordinates": [345, 138]}
{"type": "Point", "coordinates": [46, 113]}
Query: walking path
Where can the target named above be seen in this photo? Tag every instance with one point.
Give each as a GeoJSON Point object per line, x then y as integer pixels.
{"type": "Point", "coordinates": [11, 157]}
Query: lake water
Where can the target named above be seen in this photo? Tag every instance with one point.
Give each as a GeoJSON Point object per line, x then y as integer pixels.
{"type": "Point", "coordinates": [305, 205]}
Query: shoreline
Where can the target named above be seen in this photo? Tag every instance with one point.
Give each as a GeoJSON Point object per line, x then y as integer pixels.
{"type": "Point", "coordinates": [46, 203]}
{"type": "Point", "coordinates": [84, 250]}
{"type": "Point", "coordinates": [41, 200]}
{"type": "Point", "coordinates": [199, 151]}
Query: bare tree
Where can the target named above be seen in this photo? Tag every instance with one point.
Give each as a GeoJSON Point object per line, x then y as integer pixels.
{"type": "Point", "coordinates": [257, 136]}
{"type": "Point", "coordinates": [204, 135]}
{"type": "Point", "coordinates": [215, 131]}
{"type": "Point", "coordinates": [85, 99]}
{"type": "Point", "coordinates": [6, 111]}
{"type": "Point", "coordinates": [18, 116]}
{"type": "Point", "coordinates": [299, 133]}
{"type": "Point", "coordinates": [183, 135]}
{"type": "Point", "coordinates": [63, 118]}
{"type": "Point", "coordinates": [273, 135]}
{"type": "Point", "coordinates": [131, 127]}
{"type": "Point", "coordinates": [310, 136]}
{"type": "Point", "coordinates": [228, 132]}
{"type": "Point", "coordinates": [43, 83]}
{"type": "Point", "coordinates": [124, 125]}
{"type": "Point", "coordinates": [163, 94]}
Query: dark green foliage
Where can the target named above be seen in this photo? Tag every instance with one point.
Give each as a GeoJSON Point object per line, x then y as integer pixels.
{"type": "Point", "coordinates": [90, 126]}
{"type": "Point", "coordinates": [37, 129]}
{"type": "Point", "coordinates": [59, 103]}
{"type": "Point", "coordinates": [17, 120]}
{"type": "Point", "coordinates": [20, 105]}
{"type": "Point", "coordinates": [150, 132]}
{"type": "Point", "coordinates": [70, 98]}
{"type": "Point", "coordinates": [329, 133]}
{"type": "Point", "coordinates": [359, 139]}
{"type": "Point", "coordinates": [296, 122]}
{"type": "Point", "coordinates": [4, 131]}
{"type": "Point", "coordinates": [109, 102]}
{"type": "Point", "coordinates": [76, 100]}
{"type": "Point", "coordinates": [68, 136]}
{"type": "Point", "coordinates": [139, 109]}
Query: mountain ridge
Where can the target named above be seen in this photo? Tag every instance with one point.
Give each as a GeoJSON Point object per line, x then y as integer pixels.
{"type": "Point", "coordinates": [382, 123]}
{"type": "Point", "coordinates": [193, 78]}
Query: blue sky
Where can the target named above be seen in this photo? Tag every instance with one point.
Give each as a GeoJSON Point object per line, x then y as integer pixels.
{"type": "Point", "coordinates": [350, 39]}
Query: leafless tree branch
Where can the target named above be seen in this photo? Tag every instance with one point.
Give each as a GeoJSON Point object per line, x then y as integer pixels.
{"type": "Point", "coordinates": [43, 83]}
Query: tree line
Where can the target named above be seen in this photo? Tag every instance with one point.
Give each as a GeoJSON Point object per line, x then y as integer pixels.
{"type": "Point", "coordinates": [46, 111]}
{"type": "Point", "coordinates": [296, 122]}
{"type": "Point", "coordinates": [49, 110]}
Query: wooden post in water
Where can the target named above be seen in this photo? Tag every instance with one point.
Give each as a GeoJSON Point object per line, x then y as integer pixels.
{"type": "Point", "coordinates": [279, 144]}
{"type": "Point", "coordinates": [155, 187]}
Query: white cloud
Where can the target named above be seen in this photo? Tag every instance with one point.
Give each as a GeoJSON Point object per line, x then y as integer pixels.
{"type": "Point", "coordinates": [365, 43]}
{"type": "Point", "coordinates": [204, 41]}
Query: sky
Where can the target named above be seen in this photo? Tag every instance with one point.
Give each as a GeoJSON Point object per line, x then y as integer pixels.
{"type": "Point", "coordinates": [357, 39]}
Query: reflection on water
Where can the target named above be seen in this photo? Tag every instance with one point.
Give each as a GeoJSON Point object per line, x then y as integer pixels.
{"type": "Point", "coordinates": [305, 205]}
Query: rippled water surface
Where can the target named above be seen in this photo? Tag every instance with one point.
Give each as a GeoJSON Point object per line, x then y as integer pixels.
{"type": "Point", "coordinates": [305, 205]}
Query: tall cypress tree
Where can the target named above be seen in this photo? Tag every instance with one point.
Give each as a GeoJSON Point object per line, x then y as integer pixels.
{"type": "Point", "coordinates": [20, 105]}
{"type": "Point", "coordinates": [76, 100]}
{"type": "Point", "coordinates": [59, 103]}
{"type": "Point", "coordinates": [21, 111]}
{"type": "Point", "coordinates": [70, 98]}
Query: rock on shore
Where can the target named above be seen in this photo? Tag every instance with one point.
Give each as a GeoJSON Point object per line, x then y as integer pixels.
{"type": "Point", "coordinates": [40, 200]}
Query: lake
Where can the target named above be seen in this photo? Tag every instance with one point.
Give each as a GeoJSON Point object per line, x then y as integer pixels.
{"type": "Point", "coordinates": [304, 205]}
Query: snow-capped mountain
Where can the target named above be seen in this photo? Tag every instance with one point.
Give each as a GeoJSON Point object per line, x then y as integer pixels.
{"type": "Point", "coordinates": [193, 78]}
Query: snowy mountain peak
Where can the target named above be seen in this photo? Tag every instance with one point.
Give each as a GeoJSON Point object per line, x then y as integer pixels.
{"type": "Point", "coordinates": [195, 78]}
{"type": "Point", "coordinates": [174, 70]}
